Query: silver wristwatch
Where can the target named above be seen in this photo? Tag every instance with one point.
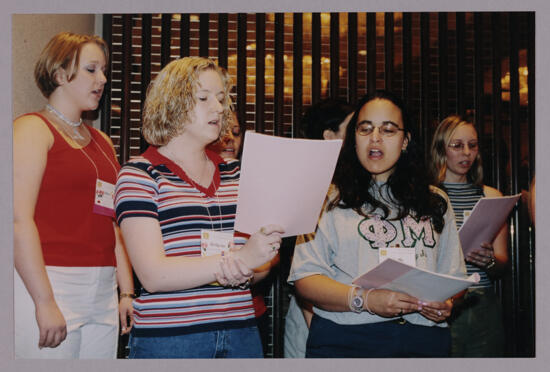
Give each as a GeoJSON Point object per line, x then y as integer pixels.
{"type": "Point", "coordinates": [357, 301]}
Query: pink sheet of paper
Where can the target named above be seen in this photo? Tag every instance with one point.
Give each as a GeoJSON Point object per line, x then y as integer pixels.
{"type": "Point", "coordinates": [284, 181]}
{"type": "Point", "coordinates": [486, 219]}
{"type": "Point", "coordinates": [422, 284]}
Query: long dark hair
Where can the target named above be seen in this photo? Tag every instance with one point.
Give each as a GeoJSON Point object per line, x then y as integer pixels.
{"type": "Point", "coordinates": [408, 184]}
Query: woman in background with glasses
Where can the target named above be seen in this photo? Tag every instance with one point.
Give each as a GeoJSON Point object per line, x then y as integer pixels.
{"type": "Point", "coordinates": [476, 325]}
{"type": "Point", "coordinates": [382, 199]}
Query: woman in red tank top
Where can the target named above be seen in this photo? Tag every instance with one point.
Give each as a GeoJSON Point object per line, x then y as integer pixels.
{"type": "Point", "coordinates": [67, 252]}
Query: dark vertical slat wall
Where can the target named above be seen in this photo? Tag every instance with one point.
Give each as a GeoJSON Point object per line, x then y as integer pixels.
{"type": "Point", "coordinates": [530, 21]}
{"type": "Point", "coordinates": [165, 40]}
{"type": "Point", "coordinates": [496, 104]}
{"type": "Point", "coordinates": [443, 66]}
{"type": "Point", "coordinates": [504, 118]}
{"type": "Point", "coordinates": [126, 80]}
{"type": "Point", "coordinates": [204, 34]}
{"type": "Point", "coordinates": [185, 24]}
{"type": "Point", "coordinates": [479, 68]}
{"type": "Point", "coordinates": [222, 40]}
{"type": "Point", "coordinates": [371, 52]}
{"type": "Point", "coordinates": [277, 313]}
{"type": "Point", "coordinates": [407, 59]}
{"type": "Point", "coordinates": [279, 73]}
{"type": "Point", "coordinates": [260, 72]}
{"type": "Point", "coordinates": [105, 114]}
{"type": "Point", "coordinates": [461, 63]}
{"type": "Point", "coordinates": [334, 54]}
{"type": "Point", "coordinates": [315, 57]}
{"type": "Point", "coordinates": [241, 66]}
{"type": "Point", "coordinates": [146, 24]}
{"type": "Point", "coordinates": [352, 57]}
{"type": "Point", "coordinates": [514, 129]}
{"type": "Point", "coordinates": [529, 277]}
{"type": "Point", "coordinates": [297, 68]}
{"type": "Point", "coordinates": [424, 125]}
{"type": "Point", "coordinates": [513, 22]}
{"type": "Point", "coordinates": [388, 50]}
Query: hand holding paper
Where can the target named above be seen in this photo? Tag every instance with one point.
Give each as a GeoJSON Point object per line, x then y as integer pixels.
{"type": "Point", "coordinates": [422, 284]}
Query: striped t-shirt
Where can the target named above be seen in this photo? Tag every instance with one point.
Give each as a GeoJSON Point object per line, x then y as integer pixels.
{"type": "Point", "coordinates": [463, 197]}
{"type": "Point", "coordinates": [153, 186]}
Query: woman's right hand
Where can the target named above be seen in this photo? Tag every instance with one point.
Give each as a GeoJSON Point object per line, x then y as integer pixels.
{"type": "Point", "coordinates": [261, 247]}
{"type": "Point", "coordinates": [51, 324]}
{"type": "Point", "coordinates": [389, 304]}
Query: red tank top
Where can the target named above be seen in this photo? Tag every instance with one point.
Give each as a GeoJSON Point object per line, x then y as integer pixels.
{"type": "Point", "coordinates": [71, 234]}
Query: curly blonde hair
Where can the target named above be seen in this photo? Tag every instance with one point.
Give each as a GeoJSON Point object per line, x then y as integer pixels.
{"type": "Point", "coordinates": [171, 98]}
{"type": "Point", "coordinates": [442, 138]}
{"type": "Point", "coordinates": [63, 51]}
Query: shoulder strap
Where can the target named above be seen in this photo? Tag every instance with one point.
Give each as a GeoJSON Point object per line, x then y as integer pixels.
{"type": "Point", "coordinates": [57, 138]}
{"type": "Point", "coordinates": [50, 125]}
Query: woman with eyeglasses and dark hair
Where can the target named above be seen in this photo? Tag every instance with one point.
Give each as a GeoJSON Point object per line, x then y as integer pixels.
{"type": "Point", "coordinates": [382, 199]}
{"type": "Point", "coordinates": [476, 324]}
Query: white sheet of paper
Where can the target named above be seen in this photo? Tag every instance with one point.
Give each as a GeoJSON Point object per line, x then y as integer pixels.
{"type": "Point", "coordinates": [485, 221]}
{"type": "Point", "coordinates": [284, 181]}
{"type": "Point", "coordinates": [422, 284]}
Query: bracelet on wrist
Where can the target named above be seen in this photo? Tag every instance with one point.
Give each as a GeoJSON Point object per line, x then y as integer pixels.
{"type": "Point", "coordinates": [367, 302]}
{"type": "Point", "coordinates": [126, 294]}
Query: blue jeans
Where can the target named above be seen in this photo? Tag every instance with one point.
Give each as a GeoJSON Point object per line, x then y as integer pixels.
{"type": "Point", "coordinates": [388, 339]}
{"type": "Point", "coordinates": [225, 343]}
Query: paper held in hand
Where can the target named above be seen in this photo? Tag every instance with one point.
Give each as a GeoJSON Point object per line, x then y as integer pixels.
{"type": "Point", "coordinates": [284, 181]}
{"type": "Point", "coordinates": [485, 220]}
{"type": "Point", "coordinates": [422, 284]}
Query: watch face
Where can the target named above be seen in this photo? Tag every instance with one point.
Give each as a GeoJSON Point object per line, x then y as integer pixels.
{"type": "Point", "coordinates": [358, 302]}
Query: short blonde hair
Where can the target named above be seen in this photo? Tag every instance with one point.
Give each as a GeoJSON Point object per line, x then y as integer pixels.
{"type": "Point", "coordinates": [63, 51]}
{"type": "Point", "coordinates": [442, 138]}
{"type": "Point", "coordinates": [171, 98]}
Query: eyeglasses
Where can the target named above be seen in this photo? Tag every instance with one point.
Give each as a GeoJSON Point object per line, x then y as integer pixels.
{"type": "Point", "coordinates": [387, 129]}
{"type": "Point", "coordinates": [459, 146]}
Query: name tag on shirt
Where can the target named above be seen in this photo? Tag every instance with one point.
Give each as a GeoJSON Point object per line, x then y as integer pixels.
{"type": "Point", "coordinates": [104, 201]}
{"type": "Point", "coordinates": [215, 242]}
{"type": "Point", "coordinates": [405, 255]}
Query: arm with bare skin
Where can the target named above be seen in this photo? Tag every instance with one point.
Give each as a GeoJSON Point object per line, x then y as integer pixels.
{"type": "Point", "coordinates": [31, 143]}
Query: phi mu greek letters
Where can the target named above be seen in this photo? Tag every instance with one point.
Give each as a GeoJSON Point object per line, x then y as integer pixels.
{"type": "Point", "coordinates": [383, 233]}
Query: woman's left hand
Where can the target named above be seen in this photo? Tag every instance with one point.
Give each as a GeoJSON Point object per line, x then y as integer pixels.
{"type": "Point", "coordinates": [437, 311]}
{"type": "Point", "coordinates": [483, 257]}
{"type": "Point", "coordinates": [126, 311]}
{"type": "Point", "coordinates": [233, 272]}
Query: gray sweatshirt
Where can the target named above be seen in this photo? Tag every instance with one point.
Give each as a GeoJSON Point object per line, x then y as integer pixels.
{"type": "Point", "coordinates": [346, 244]}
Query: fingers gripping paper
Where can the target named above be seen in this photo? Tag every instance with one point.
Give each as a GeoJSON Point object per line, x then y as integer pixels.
{"type": "Point", "coordinates": [284, 181]}
{"type": "Point", "coordinates": [420, 283]}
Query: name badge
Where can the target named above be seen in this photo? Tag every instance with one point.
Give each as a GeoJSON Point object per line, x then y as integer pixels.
{"type": "Point", "coordinates": [104, 201]}
{"type": "Point", "coordinates": [405, 255]}
{"type": "Point", "coordinates": [215, 242]}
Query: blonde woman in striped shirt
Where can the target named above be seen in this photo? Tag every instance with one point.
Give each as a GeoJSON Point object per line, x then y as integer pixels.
{"type": "Point", "coordinates": [176, 206]}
